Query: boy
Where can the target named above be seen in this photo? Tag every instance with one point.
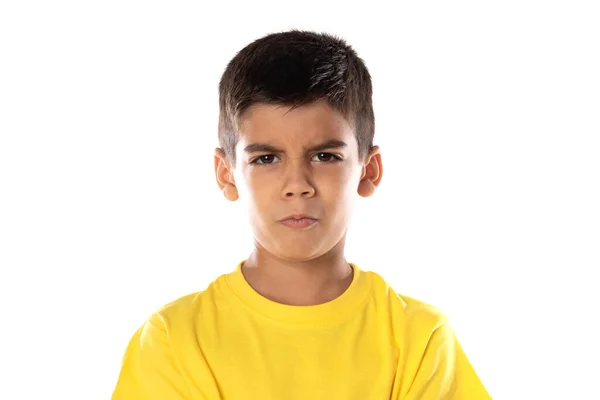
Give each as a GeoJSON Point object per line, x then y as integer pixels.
{"type": "Point", "coordinates": [296, 320]}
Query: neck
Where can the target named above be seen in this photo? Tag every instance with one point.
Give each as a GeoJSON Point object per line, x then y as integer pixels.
{"type": "Point", "coordinates": [299, 283]}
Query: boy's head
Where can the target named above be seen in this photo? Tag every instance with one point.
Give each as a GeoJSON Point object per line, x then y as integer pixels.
{"type": "Point", "coordinates": [296, 131]}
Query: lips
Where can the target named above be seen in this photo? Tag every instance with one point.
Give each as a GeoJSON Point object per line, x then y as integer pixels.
{"type": "Point", "coordinates": [299, 221]}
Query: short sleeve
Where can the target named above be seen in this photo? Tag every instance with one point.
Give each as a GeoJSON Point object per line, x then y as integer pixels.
{"type": "Point", "coordinates": [445, 373]}
{"type": "Point", "coordinates": [149, 370]}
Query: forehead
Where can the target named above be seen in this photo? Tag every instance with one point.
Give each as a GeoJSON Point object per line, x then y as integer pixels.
{"type": "Point", "coordinates": [308, 124]}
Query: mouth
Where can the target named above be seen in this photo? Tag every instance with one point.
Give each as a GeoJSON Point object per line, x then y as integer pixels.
{"type": "Point", "coordinates": [299, 221]}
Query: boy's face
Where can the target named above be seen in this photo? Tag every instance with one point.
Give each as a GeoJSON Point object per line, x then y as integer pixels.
{"type": "Point", "coordinates": [293, 164]}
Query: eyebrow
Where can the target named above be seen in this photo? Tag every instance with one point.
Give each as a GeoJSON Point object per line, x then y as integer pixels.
{"type": "Point", "coordinates": [267, 148]}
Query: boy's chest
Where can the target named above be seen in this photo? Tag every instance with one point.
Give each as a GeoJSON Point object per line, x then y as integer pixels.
{"type": "Point", "coordinates": [352, 361]}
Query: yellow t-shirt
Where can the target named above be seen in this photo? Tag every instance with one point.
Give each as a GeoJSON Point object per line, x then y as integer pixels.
{"type": "Point", "coordinates": [228, 342]}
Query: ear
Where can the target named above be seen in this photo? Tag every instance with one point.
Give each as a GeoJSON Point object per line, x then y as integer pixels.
{"type": "Point", "coordinates": [224, 175]}
{"type": "Point", "coordinates": [371, 173]}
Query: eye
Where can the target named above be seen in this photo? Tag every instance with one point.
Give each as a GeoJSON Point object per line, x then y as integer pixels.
{"type": "Point", "coordinates": [326, 157]}
{"type": "Point", "coordinates": [264, 159]}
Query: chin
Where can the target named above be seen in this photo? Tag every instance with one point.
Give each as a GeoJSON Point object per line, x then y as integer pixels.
{"type": "Point", "coordinates": [296, 246]}
{"type": "Point", "coordinates": [296, 252]}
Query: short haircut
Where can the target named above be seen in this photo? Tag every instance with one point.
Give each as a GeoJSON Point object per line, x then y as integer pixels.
{"type": "Point", "coordinates": [296, 68]}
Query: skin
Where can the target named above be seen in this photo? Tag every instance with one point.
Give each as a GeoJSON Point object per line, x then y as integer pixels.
{"type": "Point", "coordinates": [293, 266]}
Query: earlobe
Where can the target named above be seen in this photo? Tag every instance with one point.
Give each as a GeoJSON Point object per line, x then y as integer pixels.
{"type": "Point", "coordinates": [366, 188]}
{"type": "Point", "coordinates": [224, 176]}
{"type": "Point", "coordinates": [230, 192]}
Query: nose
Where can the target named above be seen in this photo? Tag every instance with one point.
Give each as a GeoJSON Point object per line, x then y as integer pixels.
{"type": "Point", "coordinates": [298, 182]}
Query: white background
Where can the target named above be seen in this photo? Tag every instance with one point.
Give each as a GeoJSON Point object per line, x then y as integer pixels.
{"type": "Point", "coordinates": [487, 116]}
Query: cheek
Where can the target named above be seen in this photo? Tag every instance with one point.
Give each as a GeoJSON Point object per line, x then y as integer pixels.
{"type": "Point", "coordinates": [346, 179]}
{"type": "Point", "coordinates": [338, 186]}
{"type": "Point", "coordinates": [255, 190]}
{"type": "Point", "coordinates": [245, 182]}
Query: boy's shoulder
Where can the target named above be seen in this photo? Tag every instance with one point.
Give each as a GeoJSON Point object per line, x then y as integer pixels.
{"type": "Point", "coordinates": [184, 307]}
{"type": "Point", "coordinates": [404, 309]}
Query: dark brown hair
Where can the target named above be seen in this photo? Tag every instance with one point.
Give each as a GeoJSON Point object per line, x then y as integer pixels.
{"type": "Point", "coordinates": [295, 68]}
